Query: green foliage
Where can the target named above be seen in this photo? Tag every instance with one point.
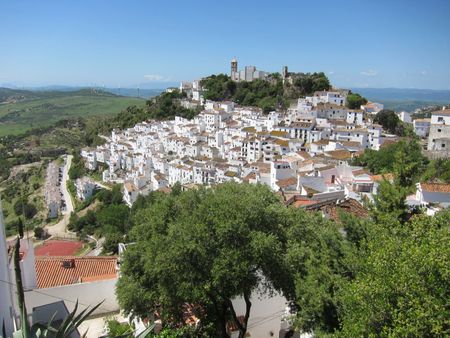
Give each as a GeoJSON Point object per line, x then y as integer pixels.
{"type": "Point", "coordinates": [388, 119]}
{"type": "Point", "coordinates": [23, 207]}
{"type": "Point", "coordinates": [438, 170]}
{"type": "Point", "coordinates": [112, 219]}
{"type": "Point", "coordinates": [77, 168]}
{"type": "Point", "coordinates": [39, 232]}
{"type": "Point", "coordinates": [119, 330]}
{"type": "Point", "coordinates": [267, 95]}
{"type": "Point", "coordinates": [113, 196]}
{"type": "Point", "coordinates": [390, 202]}
{"type": "Point", "coordinates": [307, 84]}
{"type": "Point", "coordinates": [41, 109]}
{"type": "Point", "coordinates": [403, 158]}
{"type": "Point", "coordinates": [202, 247]}
{"type": "Point", "coordinates": [402, 287]}
{"type": "Point", "coordinates": [316, 256]}
{"type": "Point", "coordinates": [355, 101]}
{"type": "Point", "coordinates": [390, 122]}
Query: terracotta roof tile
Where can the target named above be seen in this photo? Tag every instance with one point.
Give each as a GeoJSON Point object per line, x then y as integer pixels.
{"type": "Point", "coordinates": [51, 271]}
{"type": "Point", "coordinates": [436, 187]}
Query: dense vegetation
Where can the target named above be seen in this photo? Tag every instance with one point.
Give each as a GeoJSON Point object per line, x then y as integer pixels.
{"type": "Point", "coordinates": [403, 158]}
{"type": "Point", "coordinates": [110, 220]}
{"type": "Point", "coordinates": [268, 95]}
{"type": "Point", "coordinates": [390, 122]}
{"type": "Point", "coordinates": [382, 276]}
{"type": "Point", "coordinates": [355, 101]}
{"type": "Point", "coordinates": [22, 199]}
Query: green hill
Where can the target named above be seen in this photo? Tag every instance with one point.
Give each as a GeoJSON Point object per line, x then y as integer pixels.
{"type": "Point", "coordinates": [21, 110]}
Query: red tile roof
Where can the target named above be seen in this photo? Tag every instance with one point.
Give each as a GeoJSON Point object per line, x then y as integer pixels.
{"type": "Point", "coordinates": [350, 206]}
{"type": "Point", "coordinates": [436, 187]}
{"type": "Point", "coordinates": [50, 271]}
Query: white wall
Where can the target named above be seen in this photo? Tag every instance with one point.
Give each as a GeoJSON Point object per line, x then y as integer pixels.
{"type": "Point", "coordinates": [265, 315]}
{"type": "Point", "coordinates": [86, 294]}
{"type": "Point", "coordinates": [6, 292]}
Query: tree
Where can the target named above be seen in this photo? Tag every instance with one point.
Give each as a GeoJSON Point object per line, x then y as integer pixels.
{"type": "Point", "coordinates": [202, 247]}
{"type": "Point", "coordinates": [355, 101]}
{"type": "Point", "coordinates": [402, 289]}
{"type": "Point", "coordinates": [390, 202]}
{"type": "Point", "coordinates": [316, 254]}
{"type": "Point", "coordinates": [388, 120]}
{"type": "Point", "coordinates": [403, 158]}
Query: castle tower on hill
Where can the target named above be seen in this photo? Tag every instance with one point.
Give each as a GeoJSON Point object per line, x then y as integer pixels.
{"type": "Point", "coordinates": [234, 69]}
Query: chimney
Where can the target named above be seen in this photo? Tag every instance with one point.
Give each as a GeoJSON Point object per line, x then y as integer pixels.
{"type": "Point", "coordinates": [68, 263]}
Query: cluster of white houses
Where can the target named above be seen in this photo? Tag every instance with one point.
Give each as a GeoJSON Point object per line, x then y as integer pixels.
{"type": "Point", "coordinates": [303, 151]}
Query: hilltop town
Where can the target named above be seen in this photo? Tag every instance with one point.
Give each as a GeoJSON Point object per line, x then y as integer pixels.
{"type": "Point", "coordinates": [304, 153]}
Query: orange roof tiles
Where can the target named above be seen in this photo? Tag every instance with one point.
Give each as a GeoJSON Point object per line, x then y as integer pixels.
{"type": "Point", "coordinates": [50, 271]}
{"type": "Point", "coordinates": [436, 187]}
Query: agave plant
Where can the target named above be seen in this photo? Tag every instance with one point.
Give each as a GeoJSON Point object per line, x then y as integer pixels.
{"type": "Point", "coordinates": [67, 327]}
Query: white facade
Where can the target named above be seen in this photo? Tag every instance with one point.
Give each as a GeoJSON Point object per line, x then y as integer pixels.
{"type": "Point", "coordinates": [422, 127]}
{"type": "Point", "coordinates": [439, 136]}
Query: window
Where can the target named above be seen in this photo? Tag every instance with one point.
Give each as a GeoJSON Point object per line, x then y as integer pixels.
{"type": "Point", "coordinates": [440, 119]}
{"type": "Point", "coordinates": [443, 145]}
{"type": "Point", "coordinates": [439, 130]}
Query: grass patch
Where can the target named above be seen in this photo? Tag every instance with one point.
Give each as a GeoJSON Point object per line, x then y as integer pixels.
{"type": "Point", "coordinates": [18, 117]}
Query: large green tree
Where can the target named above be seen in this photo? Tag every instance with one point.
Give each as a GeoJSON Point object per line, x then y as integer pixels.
{"type": "Point", "coordinates": [318, 258]}
{"type": "Point", "coordinates": [402, 288]}
{"type": "Point", "coordinates": [205, 247]}
{"type": "Point", "coordinates": [388, 119]}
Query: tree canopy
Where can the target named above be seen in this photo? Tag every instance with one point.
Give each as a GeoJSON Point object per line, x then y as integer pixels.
{"type": "Point", "coordinates": [401, 289]}
{"type": "Point", "coordinates": [202, 247]}
{"type": "Point", "coordinates": [355, 101]}
{"type": "Point", "coordinates": [403, 158]}
{"type": "Point", "coordinates": [268, 94]}
{"type": "Point", "coordinates": [381, 276]}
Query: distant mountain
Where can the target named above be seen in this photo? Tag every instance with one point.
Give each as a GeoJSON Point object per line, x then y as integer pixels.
{"type": "Point", "coordinates": [405, 99]}
{"type": "Point", "coordinates": [53, 90]}
{"type": "Point", "coordinates": [134, 92]}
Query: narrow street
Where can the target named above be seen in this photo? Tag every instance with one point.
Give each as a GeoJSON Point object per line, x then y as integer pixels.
{"type": "Point", "coordinates": [60, 228]}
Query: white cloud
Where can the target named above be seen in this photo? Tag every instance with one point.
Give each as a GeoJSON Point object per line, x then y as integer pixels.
{"type": "Point", "coordinates": [424, 72]}
{"type": "Point", "coordinates": [369, 72]}
{"type": "Point", "coordinates": [331, 72]}
{"type": "Point", "coordinates": [156, 77]}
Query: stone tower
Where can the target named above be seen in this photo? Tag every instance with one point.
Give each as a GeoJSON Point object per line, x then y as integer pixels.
{"type": "Point", "coordinates": [234, 68]}
{"type": "Point", "coordinates": [285, 72]}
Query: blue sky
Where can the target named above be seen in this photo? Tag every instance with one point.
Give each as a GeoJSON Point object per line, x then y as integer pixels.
{"type": "Point", "coordinates": [154, 43]}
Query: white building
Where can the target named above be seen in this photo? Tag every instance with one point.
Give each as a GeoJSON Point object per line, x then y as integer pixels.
{"type": "Point", "coordinates": [404, 117]}
{"type": "Point", "coordinates": [85, 188]}
{"type": "Point", "coordinates": [422, 127]}
{"type": "Point", "coordinates": [439, 137]}
{"type": "Point", "coordinates": [372, 107]}
{"type": "Point", "coordinates": [249, 73]}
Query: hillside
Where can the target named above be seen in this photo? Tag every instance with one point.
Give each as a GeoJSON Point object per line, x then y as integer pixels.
{"type": "Point", "coordinates": [405, 99]}
{"type": "Point", "coordinates": [21, 110]}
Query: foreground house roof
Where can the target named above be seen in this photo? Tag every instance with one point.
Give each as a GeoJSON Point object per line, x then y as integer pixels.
{"type": "Point", "coordinates": [66, 270]}
{"type": "Point", "coordinates": [436, 187]}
